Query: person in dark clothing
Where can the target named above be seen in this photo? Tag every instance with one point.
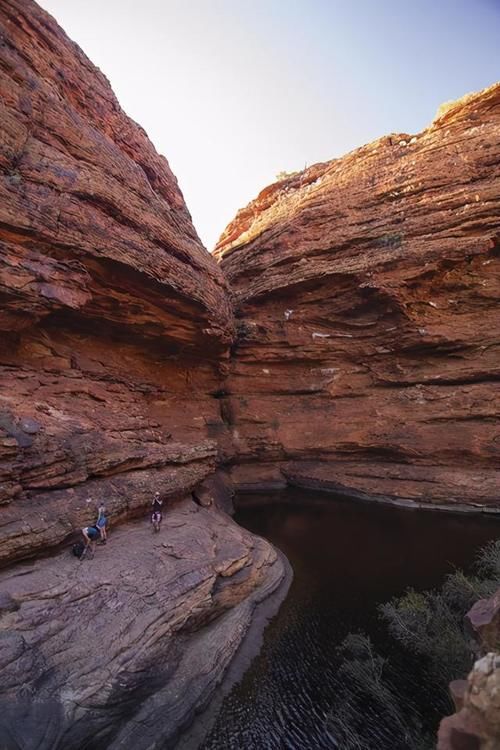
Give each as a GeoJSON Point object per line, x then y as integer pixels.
{"type": "Point", "coordinates": [90, 535]}
{"type": "Point", "coordinates": [156, 516]}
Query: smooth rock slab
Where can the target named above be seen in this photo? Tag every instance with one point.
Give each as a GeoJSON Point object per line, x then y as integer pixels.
{"type": "Point", "coordinates": [119, 651]}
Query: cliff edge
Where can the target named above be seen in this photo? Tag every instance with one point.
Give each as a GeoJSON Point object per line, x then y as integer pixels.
{"type": "Point", "coordinates": [366, 289]}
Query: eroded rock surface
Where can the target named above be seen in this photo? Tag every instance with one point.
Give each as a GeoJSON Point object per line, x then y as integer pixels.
{"type": "Point", "coordinates": [476, 726]}
{"type": "Point", "coordinates": [119, 651]}
{"type": "Point", "coordinates": [484, 619]}
{"type": "Point", "coordinates": [115, 322]}
{"type": "Point", "coordinates": [368, 351]}
{"type": "Point", "coordinates": [476, 723]}
{"type": "Point", "coordinates": [115, 325]}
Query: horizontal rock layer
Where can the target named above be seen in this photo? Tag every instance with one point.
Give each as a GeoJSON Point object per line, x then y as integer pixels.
{"type": "Point", "coordinates": [115, 320]}
{"type": "Point", "coordinates": [92, 223]}
{"type": "Point", "coordinates": [115, 325]}
{"type": "Point", "coordinates": [367, 288]}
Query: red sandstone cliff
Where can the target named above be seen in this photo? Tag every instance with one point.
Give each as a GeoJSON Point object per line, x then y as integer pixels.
{"type": "Point", "coordinates": [366, 289]}
{"type": "Point", "coordinates": [115, 325]}
{"type": "Point", "coordinates": [114, 319]}
{"type": "Point", "coordinates": [367, 360]}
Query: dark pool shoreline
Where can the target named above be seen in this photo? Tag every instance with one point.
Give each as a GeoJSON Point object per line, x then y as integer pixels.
{"type": "Point", "coordinates": [348, 557]}
{"type": "Point", "coordinates": [248, 651]}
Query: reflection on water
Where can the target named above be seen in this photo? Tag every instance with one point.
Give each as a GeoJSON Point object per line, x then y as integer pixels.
{"type": "Point", "coordinates": [347, 558]}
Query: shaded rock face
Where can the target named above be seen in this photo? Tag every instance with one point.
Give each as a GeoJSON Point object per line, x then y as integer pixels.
{"type": "Point", "coordinates": [484, 619]}
{"type": "Point", "coordinates": [114, 320]}
{"type": "Point", "coordinates": [366, 289]}
{"type": "Point", "coordinates": [366, 360]}
{"type": "Point", "coordinates": [119, 651]}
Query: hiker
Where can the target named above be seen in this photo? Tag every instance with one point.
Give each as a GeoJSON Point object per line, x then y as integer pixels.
{"type": "Point", "coordinates": [90, 534]}
{"type": "Point", "coordinates": [157, 504]}
{"type": "Point", "coordinates": [101, 524]}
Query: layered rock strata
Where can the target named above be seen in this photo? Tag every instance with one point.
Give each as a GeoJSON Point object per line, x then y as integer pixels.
{"type": "Point", "coordinates": [120, 651]}
{"type": "Point", "coordinates": [366, 361]}
{"type": "Point", "coordinates": [368, 352]}
{"type": "Point", "coordinates": [115, 321]}
{"type": "Point", "coordinates": [115, 325]}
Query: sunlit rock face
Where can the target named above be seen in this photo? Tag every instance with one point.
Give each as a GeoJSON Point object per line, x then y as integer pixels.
{"type": "Point", "coordinates": [367, 288]}
{"type": "Point", "coordinates": [114, 320]}
{"type": "Point", "coordinates": [115, 326]}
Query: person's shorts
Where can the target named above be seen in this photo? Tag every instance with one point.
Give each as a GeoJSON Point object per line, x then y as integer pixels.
{"type": "Point", "coordinates": [156, 518]}
{"type": "Point", "coordinates": [101, 523]}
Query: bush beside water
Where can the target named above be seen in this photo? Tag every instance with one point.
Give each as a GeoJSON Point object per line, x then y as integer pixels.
{"type": "Point", "coordinates": [395, 696]}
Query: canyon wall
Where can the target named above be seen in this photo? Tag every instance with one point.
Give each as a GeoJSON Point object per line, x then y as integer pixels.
{"type": "Point", "coordinates": [367, 359]}
{"type": "Point", "coordinates": [364, 359]}
{"type": "Point", "coordinates": [115, 326]}
{"type": "Point", "coordinates": [115, 321]}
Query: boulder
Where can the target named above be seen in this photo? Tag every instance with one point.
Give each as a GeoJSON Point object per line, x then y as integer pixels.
{"type": "Point", "coordinates": [477, 724]}
{"type": "Point", "coordinates": [484, 618]}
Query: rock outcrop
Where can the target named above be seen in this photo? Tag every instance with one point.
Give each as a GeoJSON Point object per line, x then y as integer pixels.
{"type": "Point", "coordinates": [368, 353]}
{"type": "Point", "coordinates": [484, 619]}
{"type": "Point", "coordinates": [119, 651]}
{"type": "Point", "coordinates": [115, 321]}
{"type": "Point", "coordinates": [476, 725]}
{"type": "Point", "coordinates": [115, 326]}
{"type": "Point", "coordinates": [366, 361]}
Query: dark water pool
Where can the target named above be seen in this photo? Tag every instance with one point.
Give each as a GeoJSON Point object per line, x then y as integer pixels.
{"type": "Point", "coordinates": [347, 558]}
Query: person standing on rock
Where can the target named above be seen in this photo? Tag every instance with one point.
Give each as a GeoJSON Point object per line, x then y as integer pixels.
{"type": "Point", "coordinates": [101, 524]}
{"type": "Point", "coordinates": [157, 504]}
{"type": "Point", "coordinates": [90, 534]}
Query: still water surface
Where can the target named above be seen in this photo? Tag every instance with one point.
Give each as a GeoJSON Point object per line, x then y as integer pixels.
{"type": "Point", "coordinates": [347, 558]}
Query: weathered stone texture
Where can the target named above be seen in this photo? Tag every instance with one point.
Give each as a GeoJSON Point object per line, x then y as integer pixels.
{"type": "Point", "coordinates": [476, 725]}
{"type": "Point", "coordinates": [367, 288]}
{"type": "Point", "coordinates": [94, 212]}
{"type": "Point", "coordinates": [115, 321]}
{"type": "Point", "coordinates": [121, 650]}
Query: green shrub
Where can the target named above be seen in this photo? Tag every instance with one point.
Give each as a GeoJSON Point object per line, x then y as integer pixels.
{"type": "Point", "coordinates": [368, 711]}
{"type": "Point", "coordinates": [395, 701]}
{"type": "Point", "coordinates": [284, 175]}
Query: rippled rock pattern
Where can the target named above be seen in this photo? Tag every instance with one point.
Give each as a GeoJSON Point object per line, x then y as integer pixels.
{"type": "Point", "coordinates": [368, 350]}
{"type": "Point", "coordinates": [115, 326]}
{"type": "Point", "coordinates": [114, 320]}
{"type": "Point", "coordinates": [119, 651]}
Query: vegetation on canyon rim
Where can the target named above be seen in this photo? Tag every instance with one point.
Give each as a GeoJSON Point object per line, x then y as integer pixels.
{"type": "Point", "coordinates": [405, 688]}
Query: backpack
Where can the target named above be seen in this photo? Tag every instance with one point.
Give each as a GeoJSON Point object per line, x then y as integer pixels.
{"type": "Point", "coordinates": [77, 549]}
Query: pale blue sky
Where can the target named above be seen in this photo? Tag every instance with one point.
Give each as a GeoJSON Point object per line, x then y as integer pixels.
{"type": "Point", "coordinates": [234, 91]}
